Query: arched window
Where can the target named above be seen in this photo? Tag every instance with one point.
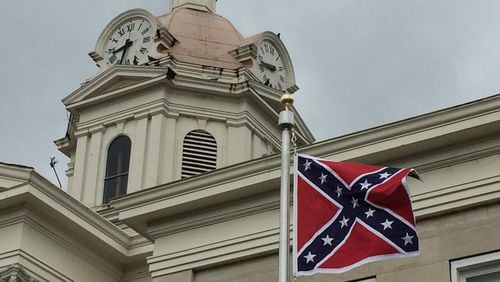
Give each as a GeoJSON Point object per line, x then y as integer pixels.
{"type": "Point", "coordinates": [199, 153]}
{"type": "Point", "coordinates": [117, 165]}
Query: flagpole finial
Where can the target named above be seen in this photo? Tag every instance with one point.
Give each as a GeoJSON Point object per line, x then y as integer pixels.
{"type": "Point", "coordinates": [287, 100]}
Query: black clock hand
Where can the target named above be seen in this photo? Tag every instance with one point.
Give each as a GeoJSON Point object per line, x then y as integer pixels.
{"type": "Point", "coordinates": [269, 66]}
{"type": "Point", "coordinates": [125, 47]}
{"type": "Point", "coordinates": [121, 48]}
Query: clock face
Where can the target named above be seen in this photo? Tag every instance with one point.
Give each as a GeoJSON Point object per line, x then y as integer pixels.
{"type": "Point", "coordinates": [130, 43]}
{"type": "Point", "coordinates": [270, 69]}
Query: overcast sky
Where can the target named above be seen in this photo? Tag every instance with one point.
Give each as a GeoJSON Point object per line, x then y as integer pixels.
{"type": "Point", "coordinates": [359, 63]}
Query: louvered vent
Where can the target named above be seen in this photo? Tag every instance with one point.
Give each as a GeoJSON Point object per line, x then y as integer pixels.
{"type": "Point", "coordinates": [199, 153]}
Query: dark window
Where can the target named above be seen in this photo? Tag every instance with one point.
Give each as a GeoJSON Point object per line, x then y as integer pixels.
{"type": "Point", "coordinates": [199, 153]}
{"type": "Point", "coordinates": [117, 164]}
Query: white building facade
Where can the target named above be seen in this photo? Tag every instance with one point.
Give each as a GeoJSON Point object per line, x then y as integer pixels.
{"type": "Point", "coordinates": [174, 167]}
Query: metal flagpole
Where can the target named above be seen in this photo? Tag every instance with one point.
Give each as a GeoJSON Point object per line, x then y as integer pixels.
{"type": "Point", "coordinates": [286, 123]}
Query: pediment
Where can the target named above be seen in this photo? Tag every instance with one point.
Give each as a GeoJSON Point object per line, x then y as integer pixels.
{"type": "Point", "coordinates": [114, 81]}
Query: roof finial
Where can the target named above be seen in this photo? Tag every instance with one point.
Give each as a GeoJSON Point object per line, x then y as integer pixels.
{"type": "Point", "coordinates": [204, 5]}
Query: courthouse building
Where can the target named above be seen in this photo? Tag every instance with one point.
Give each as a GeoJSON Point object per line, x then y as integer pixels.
{"type": "Point", "coordinates": [174, 167]}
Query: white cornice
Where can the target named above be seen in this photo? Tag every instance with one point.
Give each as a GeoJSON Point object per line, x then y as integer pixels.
{"type": "Point", "coordinates": [444, 127]}
{"type": "Point", "coordinates": [436, 131]}
{"type": "Point", "coordinates": [185, 76]}
{"type": "Point", "coordinates": [38, 193]}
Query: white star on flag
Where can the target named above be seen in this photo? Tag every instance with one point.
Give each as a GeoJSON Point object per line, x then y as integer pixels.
{"type": "Point", "coordinates": [323, 178]}
{"type": "Point", "coordinates": [384, 175]}
{"type": "Point", "coordinates": [387, 224]}
{"type": "Point", "coordinates": [354, 203]}
{"type": "Point", "coordinates": [369, 213]}
{"type": "Point", "coordinates": [343, 222]}
{"type": "Point", "coordinates": [339, 192]}
{"type": "Point", "coordinates": [408, 239]}
{"type": "Point", "coordinates": [307, 165]}
{"type": "Point", "coordinates": [339, 205]}
{"type": "Point", "coordinates": [327, 240]}
{"type": "Point", "coordinates": [365, 185]}
{"type": "Point", "coordinates": [309, 257]}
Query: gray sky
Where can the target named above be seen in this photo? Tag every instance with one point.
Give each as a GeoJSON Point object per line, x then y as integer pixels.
{"type": "Point", "coordinates": [359, 63]}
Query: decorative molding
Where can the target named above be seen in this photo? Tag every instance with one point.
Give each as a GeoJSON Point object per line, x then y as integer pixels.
{"type": "Point", "coordinates": [206, 217]}
{"type": "Point", "coordinates": [165, 37]}
{"type": "Point", "coordinates": [474, 266]}
{"type": "Point", "coordinates": [82, 133]}
{"type": "Point", "coordinates": [141, 115]}
{"type": "Point", "coordinates": [457, 197]}
{"type": "Point", "coordinates": [41, 192]}
{"type": "Point", "coordinates": [30, 264]}
{"type": "Point", "coordinates": [95, 57]}
{"type": "Point", "coordinates": [245, 53]}
{"type": "Point", "coordinates": [25, 214]}
{"type": "Point", "coordinates": [251, 245]}
{"type": "Point", "coordinates": [70, 171]}
{"type": "Point", "coordinates": [202, 123]}
{"type": "Point", "coordinates": [97, 129]}
{"type": "Point", "coordinates": [97, 89]}
{"type": "Point", "coordinates": [16, 273]}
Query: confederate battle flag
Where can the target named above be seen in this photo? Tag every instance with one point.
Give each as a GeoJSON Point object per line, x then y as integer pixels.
{"type": "Point", "coordinates": [348, 214]}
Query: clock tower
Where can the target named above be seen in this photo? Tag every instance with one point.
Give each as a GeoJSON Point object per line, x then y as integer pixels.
{"type": "Point", "coordinates": [175, 96]}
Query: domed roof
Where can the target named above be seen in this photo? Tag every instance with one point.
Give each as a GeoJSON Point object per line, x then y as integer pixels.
{"type": "Point", "coordinates": [204, 38]}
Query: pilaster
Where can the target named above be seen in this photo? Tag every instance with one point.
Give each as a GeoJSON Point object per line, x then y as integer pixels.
{"type": "Point", "coordinates": [154, 150]}
{"type": "Point", "coordinates": [137, 158]}
{"type": "Point", "coordinates": [75, 188]}
{"type": "Point", "coordinates": [239, 143]}
{"type": "Point", "coordinates": [93, 165]}
{"type": "Point", "coordinates": [168, 158]}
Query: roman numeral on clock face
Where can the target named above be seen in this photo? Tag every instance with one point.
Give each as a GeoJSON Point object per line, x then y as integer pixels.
{"type": "Point", "coordinates": [121, 31]}
{"type": "Point", "coordinates": [112, 59]}
{"type": "Point", "coordinates": [130, 26]}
